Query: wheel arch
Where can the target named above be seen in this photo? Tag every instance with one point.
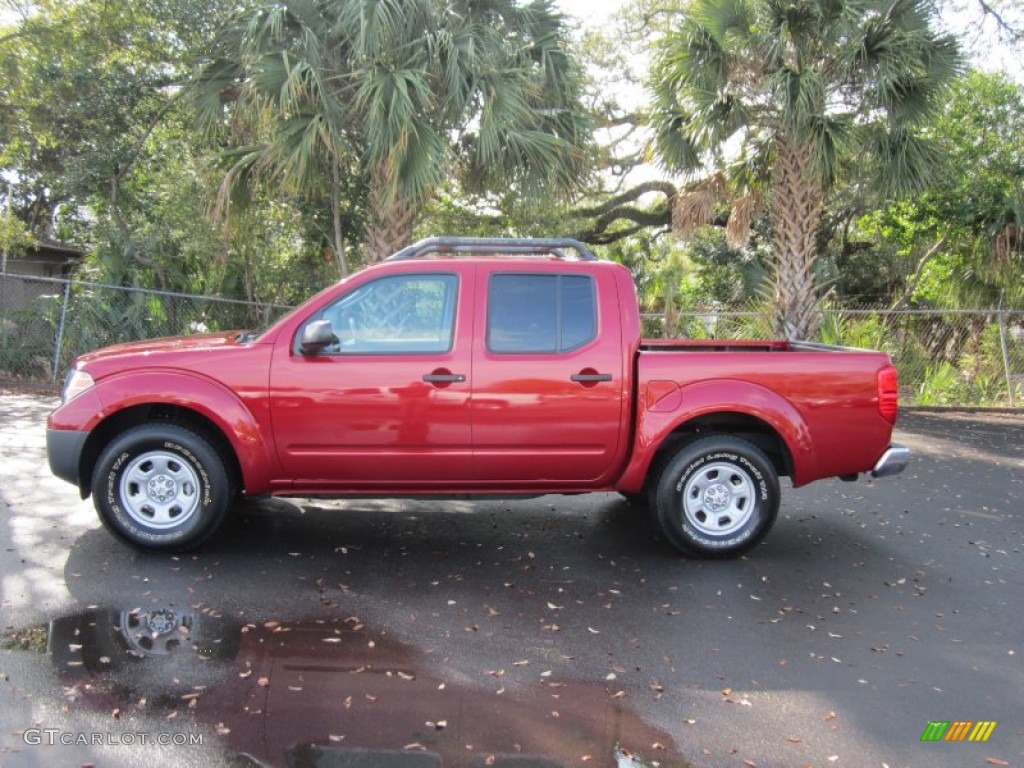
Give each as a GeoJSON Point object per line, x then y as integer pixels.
{"type": "Point", "coordinates": [669, 415]}
{"type": "Point", "coordinates": [118, 402]}
{"type": "Point", "coordinates": [147, 413]}
{"type": "Point", "coordinates": [724, 423]}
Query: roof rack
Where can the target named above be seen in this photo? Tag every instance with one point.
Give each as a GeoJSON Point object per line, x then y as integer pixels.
{"type": "Point", "coordinates": [527, 246]}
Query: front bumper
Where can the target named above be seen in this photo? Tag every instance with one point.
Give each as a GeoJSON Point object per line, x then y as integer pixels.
{"type": "Point", "coordinates": [893, 461]}
{"type": "Point", "coordinates": [64, 452]}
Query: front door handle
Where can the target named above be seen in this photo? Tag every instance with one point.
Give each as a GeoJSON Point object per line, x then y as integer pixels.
{"type": "Point", "coordinates": [590, 376]}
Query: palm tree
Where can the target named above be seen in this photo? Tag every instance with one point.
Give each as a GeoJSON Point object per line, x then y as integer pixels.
{"type": "Point", "coordinates": [778, 95]}
{"type": "Point", "coordinates": [404, 93]}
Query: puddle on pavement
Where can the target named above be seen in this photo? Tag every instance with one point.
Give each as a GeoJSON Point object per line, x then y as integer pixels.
{"type": "Point", "coordinates": [331, 693]}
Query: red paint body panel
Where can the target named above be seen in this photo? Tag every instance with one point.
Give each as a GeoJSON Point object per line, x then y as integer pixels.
{"type": "Point", "coordinates": [513, 423]}
{"type": "Point", "coordinates": [220, 382]}
{"type": "Point", "coordinates": [532, 424]}
{"type": "Point", "coordinates": [370, 422]}
{"type": "Point", "coordinates": [823, 405]}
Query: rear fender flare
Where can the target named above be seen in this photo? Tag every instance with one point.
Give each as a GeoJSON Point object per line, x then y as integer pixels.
{"type": "Point", "coordinates": [677, 408]}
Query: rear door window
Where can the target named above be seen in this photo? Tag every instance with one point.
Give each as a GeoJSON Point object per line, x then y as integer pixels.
{"type": "Point", "coordinates": [540, 313]}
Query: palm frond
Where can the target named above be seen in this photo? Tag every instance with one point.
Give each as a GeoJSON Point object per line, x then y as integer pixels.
{"type": "Point", "coordinates": [210, 90]}
{"type": "Point", "coordinates": [904, 160]}
{"type": "Point", "coordinates": [400, 85]}
{"type": "Point", "coordinates": [741, 217]}
{"type": "Point", "coordinates": [722, 18]}
{"type": "Point", "coordinates": [694, 207]}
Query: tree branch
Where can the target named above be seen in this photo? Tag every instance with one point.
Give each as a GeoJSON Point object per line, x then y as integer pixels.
{"type": "Point", "coordinates": [987, 10]}
{"type": "Point", "coordinates": [633, 118]}
{"type": "Point", "coordinates": [14, 36]}
{"type": "Point", "coordinates": [903, 300]}
{"type": "Point", "coordinates": [666, 188]}
{"type": "Point", "coordinates": [133, 156]}
{"type": "Point", "coordinates": [598, 232]}
{"type": "Point", "coordinates": [607, 238]}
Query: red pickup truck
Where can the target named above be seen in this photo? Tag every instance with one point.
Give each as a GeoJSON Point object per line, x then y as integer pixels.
{"type": "Point", "coordinates": [469, 366]}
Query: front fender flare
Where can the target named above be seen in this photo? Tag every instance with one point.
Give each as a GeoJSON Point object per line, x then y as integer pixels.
{"type": "Point", "coordinates": [206, 397]}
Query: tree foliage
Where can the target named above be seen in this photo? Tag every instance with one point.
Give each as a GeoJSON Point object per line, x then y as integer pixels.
{"type": "Point", "coordinates": [772, 95]}
{"type": "Point", "coordinates": [98, 148]}
{"type": "Point", "coordinates": [975, 210]}
{"type": "Point", "coordinates": [348, 126]}
{"type": "Point", "coordinates": [403, 94]}
{"type": "Point", "coordinates": [82, 84]}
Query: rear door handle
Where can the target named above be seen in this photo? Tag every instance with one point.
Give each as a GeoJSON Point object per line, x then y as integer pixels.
{"type": "Point", "coordinates": [444, 378]}
{"type": "Point", "coordinates": [591, 377]}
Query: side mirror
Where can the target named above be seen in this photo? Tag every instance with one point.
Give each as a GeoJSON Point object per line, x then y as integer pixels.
{"type": "Point", "coordinates": [316, 337]}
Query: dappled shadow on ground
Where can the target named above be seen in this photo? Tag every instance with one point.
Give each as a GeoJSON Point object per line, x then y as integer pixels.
{"type": "Point", "coordinates": [502, 594]}
{"type": "Point", "coordinates": [871, 608]}
{"type": "Point", "coordinates": [41, 515]}
{"type": "Point", "coordinates": [37, 388]}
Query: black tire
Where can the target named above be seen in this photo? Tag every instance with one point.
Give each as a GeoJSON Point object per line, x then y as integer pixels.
{"type": "Point", "coordinates": [717, 497]}
{"type": "Point", "coordinates": [161, 487]}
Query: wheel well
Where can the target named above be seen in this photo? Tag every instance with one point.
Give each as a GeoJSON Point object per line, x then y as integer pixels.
{"type": "Point", "coordinates": [751, 429]}
{"type": "Point", "coordinates": [148, 413]}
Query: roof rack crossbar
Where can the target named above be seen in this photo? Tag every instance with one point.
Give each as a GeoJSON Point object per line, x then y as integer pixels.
{"type": "Point", "coordinates": [494, 245]}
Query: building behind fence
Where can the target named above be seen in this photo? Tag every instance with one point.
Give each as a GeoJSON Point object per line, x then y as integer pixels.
{"type": "Point", "coordinates": [945, 357]}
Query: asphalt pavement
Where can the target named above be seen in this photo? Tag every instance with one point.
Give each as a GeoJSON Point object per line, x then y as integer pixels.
{"type": "Point", "coordinates": [544, 632]}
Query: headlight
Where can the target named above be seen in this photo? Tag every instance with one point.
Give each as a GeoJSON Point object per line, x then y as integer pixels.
{"type": "Point", "coordinates": [75, 384]}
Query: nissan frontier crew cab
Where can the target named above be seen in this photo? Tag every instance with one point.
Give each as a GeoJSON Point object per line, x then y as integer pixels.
{"type": "Point", "coordinates": [469, 366]}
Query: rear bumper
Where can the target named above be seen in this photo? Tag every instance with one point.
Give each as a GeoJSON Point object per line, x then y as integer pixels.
{"type": "Point", "coordinates": [893, 461]}
{"type": "Point", "coordinates": [64, 452]}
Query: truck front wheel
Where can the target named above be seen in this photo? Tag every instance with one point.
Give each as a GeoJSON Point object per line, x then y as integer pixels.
{"type": "Point", "coordinates": [161, 487]}
{"type": "Point", "coordinates": [717, 497]}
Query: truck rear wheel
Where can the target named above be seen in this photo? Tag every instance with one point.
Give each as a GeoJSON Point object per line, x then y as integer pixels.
{"type": "Point", "coordinates": [161, 487]}
{"type": "Point", "coordinates": [717, 497]}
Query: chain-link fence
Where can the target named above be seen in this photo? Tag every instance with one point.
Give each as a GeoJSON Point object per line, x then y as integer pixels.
{"type": "Point", "coordinates": [945, 357]}
{"type": "Point", "coordinates": [45, 323]}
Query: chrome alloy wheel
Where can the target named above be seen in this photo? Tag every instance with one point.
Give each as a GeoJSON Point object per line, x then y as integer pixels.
{"type": "Point", "coordinates": [159, 490]}
{"type": "Point", "coordinates": [718, 499]}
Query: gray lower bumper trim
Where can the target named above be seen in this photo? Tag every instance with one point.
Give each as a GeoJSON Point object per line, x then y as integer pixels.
{"type": "Point", "coordinates": [64, 451]}
{"type": "Point", "coordinates": [893, 461]}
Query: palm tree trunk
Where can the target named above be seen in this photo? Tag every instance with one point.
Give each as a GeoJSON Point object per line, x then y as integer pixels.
{"type": "Point", "coordinates": [797, 198]}
{"type": "Point", "coordinates": [392, 217]}
{"type": "Point", "coordinates": [339, 238]}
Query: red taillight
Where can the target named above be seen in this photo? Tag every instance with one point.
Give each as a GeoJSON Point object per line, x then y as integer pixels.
{"type": "Point", "coordinates": [888, 394]}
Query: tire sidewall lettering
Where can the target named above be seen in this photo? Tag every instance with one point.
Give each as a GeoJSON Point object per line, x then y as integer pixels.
{"type": "Point", "coordinates": [733, 458]}
{"type": "Point", "coordinates": [121, 519]}
{"type": "Point", "coordinates": [196, 464]}
{"type": "Point", "coordinates": [742, 457]}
